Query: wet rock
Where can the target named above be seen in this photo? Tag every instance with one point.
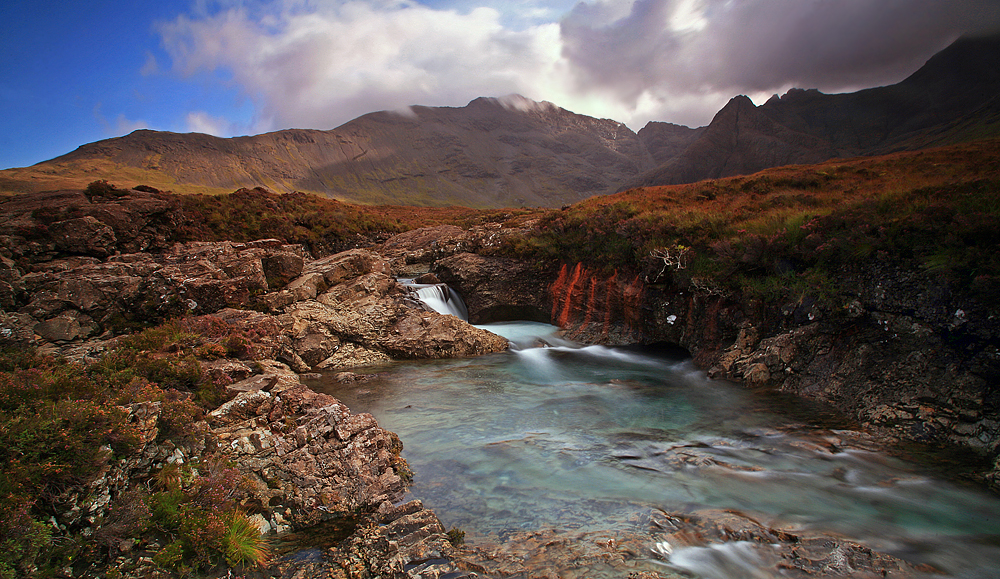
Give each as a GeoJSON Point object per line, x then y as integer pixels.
{"type": "Point", "coordinates": [729, 539]}
{"type": "Point", "coordinates": [497, 288]}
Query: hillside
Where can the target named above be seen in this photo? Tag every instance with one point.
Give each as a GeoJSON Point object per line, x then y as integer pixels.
{"type": "Point", "coordinates": [490, 153]}
{"type": "Point", "coordinates": [512, 151]}
{"type": "Point", "coordinates": [953, 98]}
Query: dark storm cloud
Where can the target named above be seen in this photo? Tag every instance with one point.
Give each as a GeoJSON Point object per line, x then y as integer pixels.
{"type": "Point", "coordinates": [665, 47]}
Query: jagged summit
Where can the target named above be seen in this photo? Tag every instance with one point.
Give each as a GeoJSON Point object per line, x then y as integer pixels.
{"type": "Point", "coordinates": [952, 98]}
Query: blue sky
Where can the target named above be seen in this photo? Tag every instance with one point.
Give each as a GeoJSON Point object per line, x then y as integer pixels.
{"type": "Point", "coordinates": [77, 72]}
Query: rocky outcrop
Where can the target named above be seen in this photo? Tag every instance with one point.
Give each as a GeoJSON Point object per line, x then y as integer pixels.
{"type": "Point", "coordinates": [307, 459]}
{"type": "Point", "coordinates": [496, 288]}
{"type": "Point", "coordinates": [906, 356]}
{"type": "Point", "coordinates": [79, 297]}
{"type": "Point", "coordinates": [340, 311]}
{"type": "Point", "coordinates": [415, 252]}
{"type": "Point", "coordinates": [320, 463]}
{"type": "Point", "coordinates": [50, 224]}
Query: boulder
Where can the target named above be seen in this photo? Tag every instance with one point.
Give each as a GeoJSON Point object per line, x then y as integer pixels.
{"type": "Point", "coordinates": [85, 235]}
{"type": "Point", "coordinates": [347, 265]}
{"type": "Point", "coordinates": [281, 267]}
{"type": "Point", "coordinates": [498, 288]}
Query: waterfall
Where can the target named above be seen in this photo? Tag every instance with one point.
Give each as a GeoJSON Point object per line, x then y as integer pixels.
{"type": "Point", "coordinates": [440, 298]}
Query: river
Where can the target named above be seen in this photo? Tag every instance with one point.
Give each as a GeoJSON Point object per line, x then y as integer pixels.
{"type": "Point", "coordinates": [556, 435]}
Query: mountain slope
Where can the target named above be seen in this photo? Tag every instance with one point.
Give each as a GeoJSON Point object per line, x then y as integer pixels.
{"type": "Point", "coordinates": [952, 98]}
{"type": "Point", "coordinates": [490, 153]}
{"type": "Point", "coordinates": [513, 151]}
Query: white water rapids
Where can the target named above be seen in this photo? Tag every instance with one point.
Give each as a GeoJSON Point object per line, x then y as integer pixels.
{"type": "Point", "coordinates": [558, 435]}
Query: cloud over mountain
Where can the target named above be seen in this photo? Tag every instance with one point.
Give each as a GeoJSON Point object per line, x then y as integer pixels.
{"type": "Point", "coordinates": [319, 64]}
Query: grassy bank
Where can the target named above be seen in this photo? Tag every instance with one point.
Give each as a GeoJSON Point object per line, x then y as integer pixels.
{"type": "Point", "coordinates": [794, 229]}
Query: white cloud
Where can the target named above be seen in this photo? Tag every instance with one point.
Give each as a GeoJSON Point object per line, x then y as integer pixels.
{"type": "Point", "coordinates": [124, 125]}
{"type": "Point", "coordinates": [121, 125]}
{"type": "Point", "coordinates": [202, 122]}
{"type": "Point", "coordinates": [151, 66]}
{"type": "Point", "coordinates": [322, 67]}
{"type": "Point", "coordinates": [318, 64]}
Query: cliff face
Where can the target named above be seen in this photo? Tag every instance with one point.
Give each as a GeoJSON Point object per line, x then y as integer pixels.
{"type": "Point", "coordinates": [909, 358]}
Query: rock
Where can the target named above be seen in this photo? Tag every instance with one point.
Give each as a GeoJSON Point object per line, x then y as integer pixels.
{"type": "Point", "coordinates": [85, 235]}
{"type": "Point", "coordinates": [306, 286]}
{"type": "Point", "coordinates": [281, 268]}
{"type": "Point", "coordinates": [62, 328]}
{"type": "Point", "coordinates": [776, 551]}
{"type": "Point", "coordinates": [353, 355]}
{"type": "Point", "coordinates": [427, 244]}
{"type": "Point", "coordinates": [332, 462]}
{"type": "Point", "coordinates": [347, 265]}
{"type": "Point", "coordinates": [45, 223]}
{"type": "Point", "coordinates": [17, 329]}
{"type": "Point", "coordinates": [497, 288]}
{"type": "Point", "coordinates": [758, 374]}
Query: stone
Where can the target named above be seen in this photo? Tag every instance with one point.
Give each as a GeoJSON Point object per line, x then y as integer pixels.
{"type": "Point", "coordinates": [281, 267]}
{"type": "Point", "coordinates": [86, 235]}
{"type": "Point", "coordinates": [63, 328]}
{"type": "Point", "coordinates": [347, 265]}
{"type": "Point", "coordinates": [498, 288]}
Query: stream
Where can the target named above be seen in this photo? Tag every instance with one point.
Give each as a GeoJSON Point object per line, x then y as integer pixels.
{"type": "Point", "coordinates": [557, 435]}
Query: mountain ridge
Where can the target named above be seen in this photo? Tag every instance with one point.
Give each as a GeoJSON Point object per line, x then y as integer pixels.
{"type": "Point", "coordinates": [958, 85]}
{"type": "Point", "coordinates": [513, 151]}
{"type": "Point", "coordinates": [492, 152]}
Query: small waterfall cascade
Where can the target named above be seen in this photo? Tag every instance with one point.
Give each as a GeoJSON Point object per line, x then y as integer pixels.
{"type": "Point", "coordinates": [439, 297]}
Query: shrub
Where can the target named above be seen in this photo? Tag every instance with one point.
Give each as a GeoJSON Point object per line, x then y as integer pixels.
{"type": "Point", "coordinates": [456, 536]}
{"type": "Point", "coordinates": [103, 189]}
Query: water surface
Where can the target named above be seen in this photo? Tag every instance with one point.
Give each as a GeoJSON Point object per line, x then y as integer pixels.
{"type": "Point", "coordinates": [557, 435]}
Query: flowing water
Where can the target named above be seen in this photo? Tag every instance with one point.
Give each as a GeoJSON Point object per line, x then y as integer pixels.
{"type": "Point", "coordinates": [555, 435]}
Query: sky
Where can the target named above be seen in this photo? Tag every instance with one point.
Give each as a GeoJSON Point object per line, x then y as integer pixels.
{"type": "Point", "coordinates": [77, 72]}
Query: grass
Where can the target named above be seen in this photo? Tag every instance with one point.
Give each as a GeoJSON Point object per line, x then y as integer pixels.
{"type": "Point", "coordinates": [779, 231]}
{"type": "Point", "coordinates": [243, 544]}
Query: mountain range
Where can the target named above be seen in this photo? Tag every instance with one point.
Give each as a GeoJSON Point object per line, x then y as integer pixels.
{"type": "Point", "coordinates": [512, 151]}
